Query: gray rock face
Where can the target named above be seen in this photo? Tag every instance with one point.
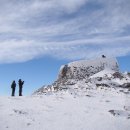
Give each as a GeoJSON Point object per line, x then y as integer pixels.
{"type": "Point", "coordinates": [86, 68]}
{"type": "Point", "coordinates": [129, 74]}
{"type": "Point", "coordinates": [86, 74]}
{"type": "Point", "coordinates": [125, 85]}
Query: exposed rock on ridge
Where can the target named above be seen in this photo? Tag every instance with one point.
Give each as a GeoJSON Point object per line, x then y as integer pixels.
{"type": "Point", "coordinates": [79, 76]}
{"type": "Point", "coordinates": [86, 68]}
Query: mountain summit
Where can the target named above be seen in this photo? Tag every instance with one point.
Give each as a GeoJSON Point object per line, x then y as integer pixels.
{"type": "Point", "coordinates": [76, 77]}
{"type": "Point", "coordinates": [86, 68]}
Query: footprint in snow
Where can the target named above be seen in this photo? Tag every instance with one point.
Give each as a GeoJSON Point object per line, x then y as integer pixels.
{"type": "Point", "coordinates": [127, 108]}
{"type": "Point", "coordinates": [28, 124]}
{"type": "Point", "coordinates": [20, 112]}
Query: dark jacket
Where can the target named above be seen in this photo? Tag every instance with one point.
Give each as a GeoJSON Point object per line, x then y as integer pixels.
{"type": "Point", "coordinates": [21, 83]}
{"type": "Point", "coordinates": [13, 85]}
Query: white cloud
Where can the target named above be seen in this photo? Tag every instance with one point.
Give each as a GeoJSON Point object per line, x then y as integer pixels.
{"type": "Point", "coordinates": [21, 51]}
{"type": "Point", "coordinates": [63, 29]}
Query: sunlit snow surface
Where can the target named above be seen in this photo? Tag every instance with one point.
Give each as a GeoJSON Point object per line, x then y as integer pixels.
{"type": "Point", "coordinates": [100, 109]}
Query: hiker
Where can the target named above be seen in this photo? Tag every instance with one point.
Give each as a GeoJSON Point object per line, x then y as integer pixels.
{"type": "Point", "coordinates": [20, 86]}
{"type": "Point", "coordinates": [13, 86]}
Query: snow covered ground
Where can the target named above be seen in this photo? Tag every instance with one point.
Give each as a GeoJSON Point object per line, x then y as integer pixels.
{"type": "Point", "coordinates": [100, 109]}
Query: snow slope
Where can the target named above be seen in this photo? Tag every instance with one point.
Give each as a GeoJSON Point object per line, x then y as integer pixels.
{"type": "Point", "coordinates": [99, 110]}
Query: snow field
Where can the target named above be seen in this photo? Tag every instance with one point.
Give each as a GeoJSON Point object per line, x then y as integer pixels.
{"type": "Point", "coordinates": [63, 111]}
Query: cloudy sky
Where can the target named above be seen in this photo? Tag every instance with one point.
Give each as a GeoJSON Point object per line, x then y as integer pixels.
{"type": "Point", "coordinates": [30, 29]}
{"type": "Point", "coordinates": [64, 30]}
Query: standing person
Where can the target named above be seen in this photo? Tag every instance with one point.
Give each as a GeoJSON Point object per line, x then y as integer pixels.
{"type": "Point", "coordinates": [20, 86]}
{"type": "Point", "coordinates": [13, 86]}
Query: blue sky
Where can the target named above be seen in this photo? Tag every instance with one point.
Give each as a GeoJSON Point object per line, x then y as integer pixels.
{"type": "Point", "coordinates": [35, 73]}
{"type": "Point", "coordinates": [37, 36]}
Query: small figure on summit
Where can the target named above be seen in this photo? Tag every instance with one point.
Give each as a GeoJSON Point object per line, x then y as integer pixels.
{"type": "Point", "coordinates": [20, 86]}
{"type": "Point", "coordinates": [13, 86]}
{"type": "Point", "coordinates": [103, 56]}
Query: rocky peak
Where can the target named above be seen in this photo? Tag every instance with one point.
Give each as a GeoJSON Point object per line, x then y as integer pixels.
{"type": "Point", "coordinates": [86, 68]}
{"type": "Point", "coordinates": [79, 76]}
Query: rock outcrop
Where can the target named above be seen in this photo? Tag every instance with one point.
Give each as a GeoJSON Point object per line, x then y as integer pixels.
{"type": "Point", "coordinates": [86, 68]}
{"type": "Point", "coordinates": [81, 75]}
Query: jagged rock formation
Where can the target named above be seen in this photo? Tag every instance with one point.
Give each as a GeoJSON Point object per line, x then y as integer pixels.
{"type": "Point", "coordinates": [78, 76]}
{"type": "Point", "coordinates": [83, 69]}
